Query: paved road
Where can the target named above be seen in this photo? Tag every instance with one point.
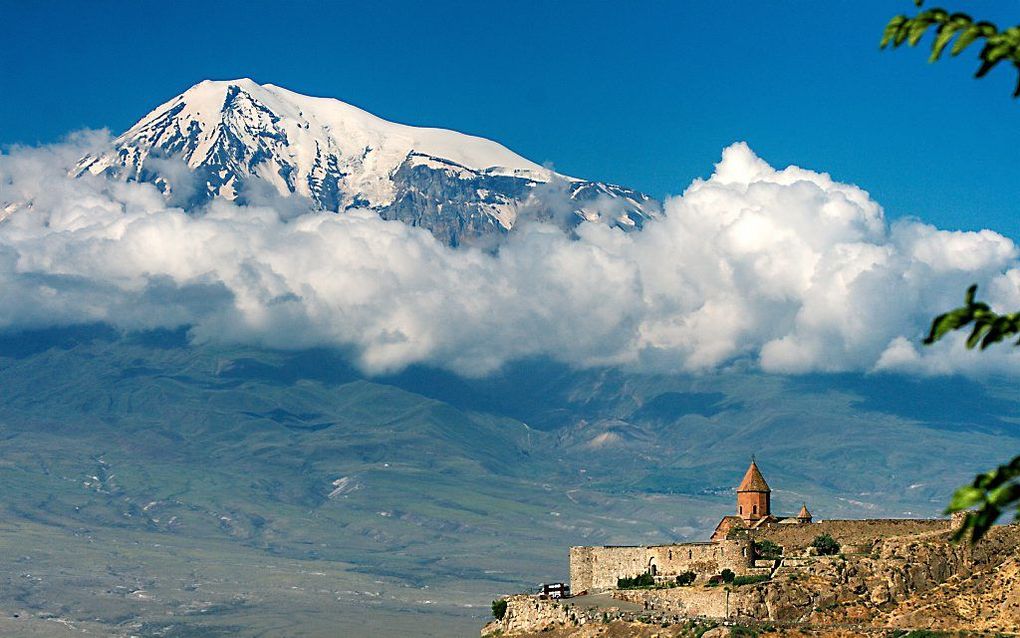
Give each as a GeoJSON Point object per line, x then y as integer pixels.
{"type": "Point", "coordinates": [602, 601]}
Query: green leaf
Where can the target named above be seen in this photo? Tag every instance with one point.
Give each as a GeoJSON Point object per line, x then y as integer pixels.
{"type": "Point", "coordinates": [945, 34]}
{"type": "Point", "coordinates": [968, 297]}
{"type": "Point", "coordinates": [985, 67]}
{"type": "Point", "coordinates": [987, 29]}
{"type": "Point", "coordinates": [1004, 495]}
{"type": "Point", "coordinates": [971, 33]}
{"type": "Point", "coordinates": [948, 322]}
{"type": "Point", "coordinates": [960, 19]}
{"type": "Point", "coordinates": [977, 334]}
{"type": "Point", "coordinates": [965, 498]}
{"type": "Point", "coordinates": [891, 29]}
{"type": "Point", "coordinates": [917, 30]}
{"type": "Point", "coordinates": [901, 34]}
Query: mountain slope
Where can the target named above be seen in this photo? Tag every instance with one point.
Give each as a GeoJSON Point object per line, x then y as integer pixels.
{"type": "Point", "coordinates": [419, 496]}
{"type": "Point", "coordinates": [236, 137]}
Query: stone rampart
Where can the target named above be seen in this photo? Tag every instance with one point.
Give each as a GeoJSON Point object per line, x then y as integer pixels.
{"type": "Point", "coordinates": [598, 568]}
{"type": "Point", "coordinates": [528, 614]}
{"type": "Point", "coordinates": [854, 535]}
{"type": "Point", "coordinates": [688, 602]}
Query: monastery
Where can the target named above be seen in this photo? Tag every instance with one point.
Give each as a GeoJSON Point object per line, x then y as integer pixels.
{"type": "Point", "coordinates": [754, 507]}
{"type": "Point", "coordinates": [732, 544]}
{"type": "Point", "coordinates": [758, 566]}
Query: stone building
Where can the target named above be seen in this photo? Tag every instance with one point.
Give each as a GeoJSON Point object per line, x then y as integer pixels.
{"type": "Point", "coordinates": [754, 507]}
{"type": "Point", "coordinates": [599, 568]}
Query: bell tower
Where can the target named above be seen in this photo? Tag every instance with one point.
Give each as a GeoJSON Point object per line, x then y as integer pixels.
{"type": "Point", "coordinates": [754, 496]}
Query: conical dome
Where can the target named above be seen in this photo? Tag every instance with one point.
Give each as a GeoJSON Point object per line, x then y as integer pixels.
{"type": "Point", "coordinates": [753, 480]}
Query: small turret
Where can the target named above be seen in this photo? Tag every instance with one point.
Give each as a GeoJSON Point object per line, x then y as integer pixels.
{"type": "Point", "coordinates": [804, 516]}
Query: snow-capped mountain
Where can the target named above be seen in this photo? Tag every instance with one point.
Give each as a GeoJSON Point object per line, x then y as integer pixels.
{"type": "Point", "coordinates": [237, 135]}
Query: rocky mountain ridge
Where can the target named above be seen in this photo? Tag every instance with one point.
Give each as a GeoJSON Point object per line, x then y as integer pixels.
{"type": "Point", "coordinates": [242, 141]}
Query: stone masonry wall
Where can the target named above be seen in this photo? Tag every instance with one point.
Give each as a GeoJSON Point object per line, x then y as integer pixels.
{"type": "Point", "coordinates": [598, 568]}
{"type": "Point", "coordinates": [708, 602]}
{"type": "Point", "coordinates": [852, 534]}
{"type": "Point", "coordinates": [527, 614]}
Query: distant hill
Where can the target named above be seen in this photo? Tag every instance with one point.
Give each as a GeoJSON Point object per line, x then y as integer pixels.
{"type": "Point", "coordinates": [467, 487]}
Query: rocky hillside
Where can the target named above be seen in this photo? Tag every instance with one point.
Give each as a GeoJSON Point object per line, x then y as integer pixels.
{"type": "Point", "coordinates": [916, 581]}
{"type": "Point", "coordinates": [911, 582]}
{"type": "Point", "coordinates": [986, 599]}
{"type": "Point", "coordinates": [701, 629]}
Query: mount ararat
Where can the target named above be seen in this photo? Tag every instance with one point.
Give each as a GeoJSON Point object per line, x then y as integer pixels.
{"type": "Point", "coordinates": [240, 140]}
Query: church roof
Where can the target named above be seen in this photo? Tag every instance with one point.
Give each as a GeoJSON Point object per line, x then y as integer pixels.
{"type": "Point", "coordinates": [803, 513]}
{"type": "Point", "coordinates": [753, 481]}
{"type": "Point", "coordinates": [725, 525]}
{"type": "Point", "coordinates": [732, 519]}
{"type": "Point", "coordinates": [764, 521]}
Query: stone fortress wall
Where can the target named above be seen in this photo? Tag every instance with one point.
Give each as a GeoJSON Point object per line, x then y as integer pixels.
{"type": "Point", "coordinates": [595, 569]}
{"type": "Point", "coordinates": [598, 568]}
{"type": "Point", "coordinates": [852, 535]}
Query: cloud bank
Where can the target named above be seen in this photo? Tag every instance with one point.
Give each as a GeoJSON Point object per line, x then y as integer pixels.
{"type": "Point", "coordinates": [787, 269]}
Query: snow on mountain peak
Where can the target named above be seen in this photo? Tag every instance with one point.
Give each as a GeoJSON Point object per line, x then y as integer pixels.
{"type": "Point", "coordinates": [340, 157]}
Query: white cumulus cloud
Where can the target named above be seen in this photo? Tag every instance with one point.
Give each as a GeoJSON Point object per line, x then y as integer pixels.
{"type": "Point", "coordinates": [788, 269]}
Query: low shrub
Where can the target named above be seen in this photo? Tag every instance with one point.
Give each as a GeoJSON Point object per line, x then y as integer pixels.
{"type": "Point", "coordinates": [751, 579]}
{"type": "Point", "coordinates": [644, 580]}
{"type": "Point", "coordinates": [686, 578]}
{"type": "Point", "coordinates": [699, 628]}
{"type": "Point", "coordinates": [826, 545]}
{"type": "Point", "coordinates": [498, 609]}
{"type": "Point", "coordinates": [768, 550]}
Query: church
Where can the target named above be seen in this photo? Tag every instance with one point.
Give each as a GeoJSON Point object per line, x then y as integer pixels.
{"type": "Point", "coordinates": [754, 507]}
{"type": "Point", "coordinates": [598, 568]}
{"type": "Point", "coordinates": [733, 544]}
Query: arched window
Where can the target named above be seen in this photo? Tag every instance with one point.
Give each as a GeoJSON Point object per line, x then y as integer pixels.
{"type": "Point", "coordinates": [740, 509]}
{"type": "Point", "coordinates": [754, 509]}
{"type": "Point", "coordinates": [670, 554]}
{"type": "Point", "coordinates": [690, 554]}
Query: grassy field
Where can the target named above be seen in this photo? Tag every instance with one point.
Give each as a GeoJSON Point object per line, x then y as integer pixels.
{"type": "Point", "coordinates": [129, 583]}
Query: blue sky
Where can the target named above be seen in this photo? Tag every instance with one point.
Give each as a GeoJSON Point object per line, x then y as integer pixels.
{"type": "Point", "coordinates": [643, 94]}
